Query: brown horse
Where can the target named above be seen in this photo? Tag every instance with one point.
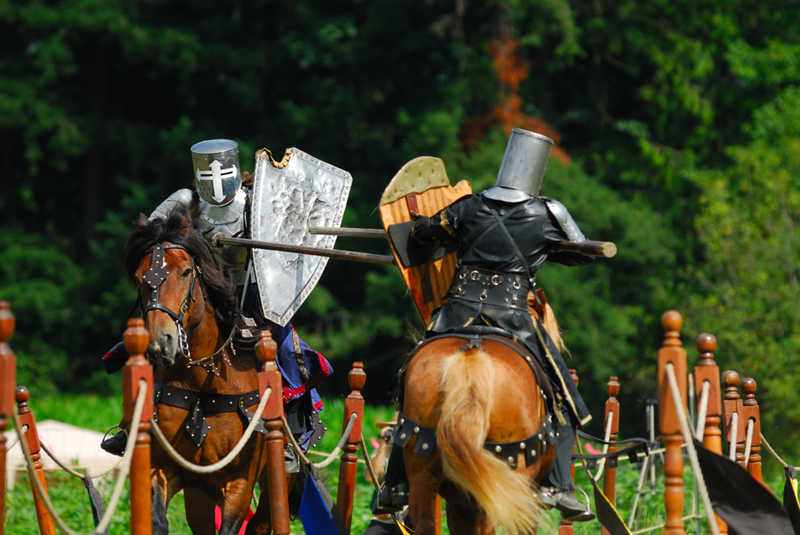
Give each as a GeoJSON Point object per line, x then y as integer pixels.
{"type": "Point", "coordinates": [473, 394]}
{"type": "Point", "coordinates": [189, 304]}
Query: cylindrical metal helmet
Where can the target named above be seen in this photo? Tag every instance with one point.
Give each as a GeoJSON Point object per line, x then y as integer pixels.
{"type": "Point", "coordinates": [216, 170]}
{"type": "Point", "coordinates": [524, 164]}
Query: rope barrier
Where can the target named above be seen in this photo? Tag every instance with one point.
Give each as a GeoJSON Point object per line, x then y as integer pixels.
{"type": "Point", "coordinates": [324, 454]}
{"type": "Point", "coordinates": [370, 468]}
{"type": "Point", "coordinates": [734, 436]}
{"type": "Point", "coordinates": [225, 461]}
{"type": "Point", "coordinates": [772, 452]}
{"type": "Point", "coordinates": [642, 476]}
{"type": "Point", "coordinates": [118, 486]}
{"type": "Point", "coordinates": [645, 530]}
{"type": "Point", "coordinates": [333, 455]}
{"type": "Point", "coordinates": [19, 435]}
{"type": "Point", "coordinates": [748, 444]}
{"type": "Point", "coordinates": [687, 436]}
{"type": "Point", "coordinates": [602, 465]}
{"type": "Point", "coordinates": [702, 411]}
{"type": "Point", "coordinates": [73, 472]}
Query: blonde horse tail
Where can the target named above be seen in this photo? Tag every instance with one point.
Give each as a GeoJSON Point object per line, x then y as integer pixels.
{"type": "Point", "coordinates": [505, 495]}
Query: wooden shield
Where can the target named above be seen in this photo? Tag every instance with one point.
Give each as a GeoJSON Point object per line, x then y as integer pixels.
{"type": "Point", "coordinates": [421, 188]}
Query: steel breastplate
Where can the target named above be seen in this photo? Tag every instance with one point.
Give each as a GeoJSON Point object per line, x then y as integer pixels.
{"type": "Point", "coordinates": [230, 221]}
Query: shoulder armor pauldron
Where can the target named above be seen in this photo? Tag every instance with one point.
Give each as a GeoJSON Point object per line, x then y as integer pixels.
{"type": "Point", "coordinates": [564, 219]}
{"type": "Point", "coordinates": [182, 197]}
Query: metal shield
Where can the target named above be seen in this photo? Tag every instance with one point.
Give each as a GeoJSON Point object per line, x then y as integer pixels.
{"type": "Point", "coordinates": [421, 188]}
{"type": "Point", "coordinates": [289, 197]}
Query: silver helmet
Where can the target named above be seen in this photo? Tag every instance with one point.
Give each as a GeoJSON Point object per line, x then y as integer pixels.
{"type": "Point", "coordinates": [216, 170]}
{"type": "Point", "coordinates": [524, 164]}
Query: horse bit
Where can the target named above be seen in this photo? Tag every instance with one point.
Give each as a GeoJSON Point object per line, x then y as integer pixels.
{"type": "Point", "coordinates": [154, 278]}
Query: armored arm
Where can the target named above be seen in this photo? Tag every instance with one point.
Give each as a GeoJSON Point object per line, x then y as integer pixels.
{"type": "Point", "coordinates": [440, 227]}
{"type": "Point", "coordinates": [182, 197]}
{"type": "Point", "coordinates": [565, 226]}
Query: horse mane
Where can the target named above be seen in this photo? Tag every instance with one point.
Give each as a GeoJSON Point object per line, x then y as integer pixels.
{"type": "Point", "coordinates": [178, 228]}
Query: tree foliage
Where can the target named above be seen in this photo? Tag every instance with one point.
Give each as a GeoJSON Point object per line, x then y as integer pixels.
{"type": "Point", "coordinates": [675, 122]}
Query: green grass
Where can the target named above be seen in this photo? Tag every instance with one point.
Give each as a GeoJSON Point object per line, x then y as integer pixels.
{"type": "Point", "coordinates": [99, 413]}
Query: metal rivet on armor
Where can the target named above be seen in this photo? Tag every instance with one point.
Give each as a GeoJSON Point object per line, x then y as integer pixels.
{"type": "Point", "coordinates": [424, 446]}
{"type": "Point", "coordinates": [416, 430]}
{"type": "Point", "coordinates": [213, 401]}
{"type": "Point", "coordinates": [185, 397]}
{"type": "Point", "coordinates": [402, 420]}
{"type": "Point", "coordinates": [402, 436]}
{"type": "Point", "coordinates": [169, 394]}
{"type": "Point", "coordinates": [522, 445]}
{"type": "Point", "coordinates": [511, 459]}
{"type": "Point", "coordinates": [498, 449]}
{"type": "Point", "coordinates": [533, 453]}
{"type": "Point", "coordinates": [539, 436]}
{"type": "Point", "coordinates": [230, 402]}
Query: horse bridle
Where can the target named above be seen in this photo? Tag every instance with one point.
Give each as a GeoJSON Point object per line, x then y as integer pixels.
{"type": "Point", "coordinates": [154, 278]}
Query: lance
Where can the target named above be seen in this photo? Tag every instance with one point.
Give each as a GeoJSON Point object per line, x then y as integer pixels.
{"type": "Point", "coordinates": [602, 249]}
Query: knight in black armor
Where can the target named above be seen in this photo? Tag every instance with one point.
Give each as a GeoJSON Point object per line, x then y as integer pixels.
{"type": "Point", "coordinates": [220, 203]}
{"type": "Point", "coordinates": [503, 236]}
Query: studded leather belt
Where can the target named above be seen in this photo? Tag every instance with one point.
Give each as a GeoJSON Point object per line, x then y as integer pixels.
{"type": "Point", "coordinates": [487, 287]}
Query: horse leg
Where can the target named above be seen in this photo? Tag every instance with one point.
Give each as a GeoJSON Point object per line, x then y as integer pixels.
{"type": "Point", "coordinates": [199, 512]}
{"type": "Point", "coordinates": [235, 505]}
{"type": "Point", "coordinates": [423, 486]}
{"type": "Point", "coordinates": [462, 519]}
{"type": "Point", "coordinates": [261, 523]}
{"type": "Point", "coordinates": [164, 485]}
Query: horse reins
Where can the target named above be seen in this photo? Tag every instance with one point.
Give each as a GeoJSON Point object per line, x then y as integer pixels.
{"type": "Point", "coordinates": [154, 278]}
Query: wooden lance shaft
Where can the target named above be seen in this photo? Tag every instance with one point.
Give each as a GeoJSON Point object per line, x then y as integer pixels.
{"type": "Point", "coordinates": [602, 249]}
{"type": "Point", "coordinates": [221, 239]}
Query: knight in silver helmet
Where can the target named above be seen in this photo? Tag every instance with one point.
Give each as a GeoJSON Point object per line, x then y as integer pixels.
{"type": "Point", "coordinates": [505, 234]}
{"type": "Point", "coordinates": [218, 201]}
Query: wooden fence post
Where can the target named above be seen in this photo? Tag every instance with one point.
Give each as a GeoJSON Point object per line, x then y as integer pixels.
{"type": "Point", "coordinates": [136, 369]}
{"type": "Point", "coordinates": [751, 412]}
{"type": "Point", "coordinates": [566, 527]}
{"type": "Point", "coordinates": [612, 411]}
{"type": "Point", "coordinates": [733, 404]}
{"type": "Point", "coordinates": [707, 370]}
{"type": "Point", "coordinates": [8, 378]}
{"type": "Point", "coordinates": [672, 352]}
{"type": "Point", "coordinates": [26, 418]}
{"type": "Point", "coordinates": [347, 469]}
{"type": "Point", "coordinates": [267, 349]}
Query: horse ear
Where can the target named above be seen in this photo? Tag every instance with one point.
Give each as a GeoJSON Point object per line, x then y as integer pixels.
{"type": "Point", "coordinates": [143, 221]}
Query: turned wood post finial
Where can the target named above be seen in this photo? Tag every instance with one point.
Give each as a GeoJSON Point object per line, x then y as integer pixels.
{"type": "Point", "coordinates": [612, 387]}
{"type": "Point", "coordinates": [706, 345]}
{"type": "Point", "coordinates": [672, 321]}
{"type": "Point", "coordinates": [22, 395]}
{"type": "Point", "coordinates": [357, 377]}
{"type": "Point", "coordinates": [749, 387]}
{"type": "Point", "coordinates": [7, 322]}
{"type": "Point", "coordinates": [136, 337]}
{"type": "Point", "coordinates": [730, 380]}
{"type": "Point", "coordinates": [266, 348]}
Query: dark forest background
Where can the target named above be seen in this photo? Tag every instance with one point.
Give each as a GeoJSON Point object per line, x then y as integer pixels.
{"type": "Point", "coordinates": [678, 137]}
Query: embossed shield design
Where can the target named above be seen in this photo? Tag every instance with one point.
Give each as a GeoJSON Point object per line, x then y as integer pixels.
{"type": "Point", "coordinates": [289, 197]}
{"type": "Point", "coordinates": [421, 188]}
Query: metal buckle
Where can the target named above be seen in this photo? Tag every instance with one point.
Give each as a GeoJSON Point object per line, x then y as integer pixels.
{"type": "Point", "coordinates": [497, 280]}
{"type": "Point", "coordinates": [475, 275]}
{"type": "Point", "coordinates": [484, 295]}
{"type": "Point", "coordinates": [515, 284]}
{"type": "Point", "coordinates": [463, 274]}
{"type": "Point", "coordinates": [459, 292]}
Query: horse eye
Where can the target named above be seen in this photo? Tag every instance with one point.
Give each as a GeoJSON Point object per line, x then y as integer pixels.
{"type": "Point", "coordinates": [186, 273]}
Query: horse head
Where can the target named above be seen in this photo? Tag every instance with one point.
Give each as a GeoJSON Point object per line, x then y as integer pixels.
{"type": "Point", "coordinates": [185, 288]}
